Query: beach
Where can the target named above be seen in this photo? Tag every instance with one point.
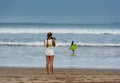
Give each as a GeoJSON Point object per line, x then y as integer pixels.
{"type": "Point", "coordinates": [93, 25]}
{"type": "Point", "coordinates": [61, 75]}
{"type": "Point", "coordinates": [96, 59]}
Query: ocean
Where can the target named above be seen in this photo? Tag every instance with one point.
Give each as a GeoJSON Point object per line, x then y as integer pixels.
{"type": "Point", "coordinates": [98, 44]}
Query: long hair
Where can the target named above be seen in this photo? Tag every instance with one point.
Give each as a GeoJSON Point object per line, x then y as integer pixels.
{"type": "Point", "coordinates": [49, 35]}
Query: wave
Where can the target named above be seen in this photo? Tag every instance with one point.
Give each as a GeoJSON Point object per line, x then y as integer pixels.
{"type": "Point", "coordinates": [59, 30]}
{"type": "Point", "coordinates": [59, 44]}
{"type": "Point", "coordinates": [21, 43]}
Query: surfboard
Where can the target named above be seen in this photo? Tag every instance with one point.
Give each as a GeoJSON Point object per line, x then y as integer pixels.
{"type": "Point", "coordinates": [73, 47]}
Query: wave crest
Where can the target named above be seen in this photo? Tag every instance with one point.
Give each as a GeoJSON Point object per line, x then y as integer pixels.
{"type": "Point", "coordinates": [60, 44]}
{"type": "Point", "coordinates": [46, 30]}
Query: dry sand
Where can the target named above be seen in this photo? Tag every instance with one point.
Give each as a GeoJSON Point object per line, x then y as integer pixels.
{"type": "Point", "coordinates": [38, 75]}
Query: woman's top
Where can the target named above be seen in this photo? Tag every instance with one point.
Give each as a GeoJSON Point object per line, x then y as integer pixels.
{"type": "Point", "coordinates": [50, 48]}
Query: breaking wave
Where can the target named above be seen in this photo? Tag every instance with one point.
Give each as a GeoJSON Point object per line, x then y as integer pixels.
{"type": "Point", "coordinates": [46, 30]}
{"type": "Point", "coordinates": [58, 44]}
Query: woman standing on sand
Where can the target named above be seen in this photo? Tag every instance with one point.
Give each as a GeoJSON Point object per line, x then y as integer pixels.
{"type": "Point", "coordinates": [50, 44]}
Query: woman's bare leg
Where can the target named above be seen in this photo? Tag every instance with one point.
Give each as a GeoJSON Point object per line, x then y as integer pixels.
{"type": "Point", "coordinates": [51, 64]}
{"type": "Point", "coordinates": [47, 64]}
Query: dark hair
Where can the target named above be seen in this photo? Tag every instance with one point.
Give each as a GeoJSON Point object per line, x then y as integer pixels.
{"type": "Point", "coordinates": [72, 43]}
{"type": "Point", "coordinates": [49, 34]}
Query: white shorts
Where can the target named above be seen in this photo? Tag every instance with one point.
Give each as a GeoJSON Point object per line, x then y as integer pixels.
{"type": "Point", "coordinates": [50, 51]}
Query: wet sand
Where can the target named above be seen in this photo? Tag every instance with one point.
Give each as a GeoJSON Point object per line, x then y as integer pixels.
{"type": "Point", "coordinates": [38, 75]}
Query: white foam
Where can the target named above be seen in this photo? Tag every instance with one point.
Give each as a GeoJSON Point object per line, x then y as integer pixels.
{"type": "Point", "coordinates": [54, 30]}
{"type": "Point", "coordinates": [98, 44]}
{"type": "Point", "coordinates": [58, 44]}
{"type": "Point", "coordinates": [22, 43]}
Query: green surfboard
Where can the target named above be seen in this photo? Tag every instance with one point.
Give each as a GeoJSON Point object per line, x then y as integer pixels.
{"type": "Point", "coordinates": [73, 47]}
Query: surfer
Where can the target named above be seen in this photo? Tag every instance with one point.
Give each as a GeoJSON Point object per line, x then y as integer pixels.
{"type": "Point", "coordinates": [73, 47]}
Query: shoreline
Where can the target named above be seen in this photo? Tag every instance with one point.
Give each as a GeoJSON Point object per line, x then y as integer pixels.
{"type": "Point", "coordinates": [61, 75]}
{"type": "Point", "coordinates": [69, 68]}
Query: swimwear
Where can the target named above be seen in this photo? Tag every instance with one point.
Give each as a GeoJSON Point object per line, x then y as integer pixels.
{"type": "Point", "coordinates": [50, 48]}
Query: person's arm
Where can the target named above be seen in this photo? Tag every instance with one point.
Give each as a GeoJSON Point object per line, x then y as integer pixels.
{"type": "Point", "coordinates": [53, 42]}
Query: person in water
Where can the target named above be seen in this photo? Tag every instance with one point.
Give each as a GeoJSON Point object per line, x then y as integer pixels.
{"type": "Point", "coordinates": [49, 43]}
{"type": "Point", "coordinates": [73, 47]}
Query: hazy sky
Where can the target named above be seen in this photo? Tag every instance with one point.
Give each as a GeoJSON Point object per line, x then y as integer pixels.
{"type": "Point", "coordinates": [59, 8]}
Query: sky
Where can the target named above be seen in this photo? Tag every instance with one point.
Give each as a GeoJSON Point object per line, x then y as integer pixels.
{"type": "Point", "coordinates": [33, 9]}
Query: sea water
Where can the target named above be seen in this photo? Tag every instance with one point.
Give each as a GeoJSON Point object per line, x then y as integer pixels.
{"type": "Point", "coordinates": [22, 44]}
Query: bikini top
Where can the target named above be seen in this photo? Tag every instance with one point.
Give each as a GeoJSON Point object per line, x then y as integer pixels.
{"type": "Point", "coordinates": [49, 41]}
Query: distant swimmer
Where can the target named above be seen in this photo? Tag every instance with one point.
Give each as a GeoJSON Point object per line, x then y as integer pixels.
{"type": "Point", "coordinates": [73, 47]}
